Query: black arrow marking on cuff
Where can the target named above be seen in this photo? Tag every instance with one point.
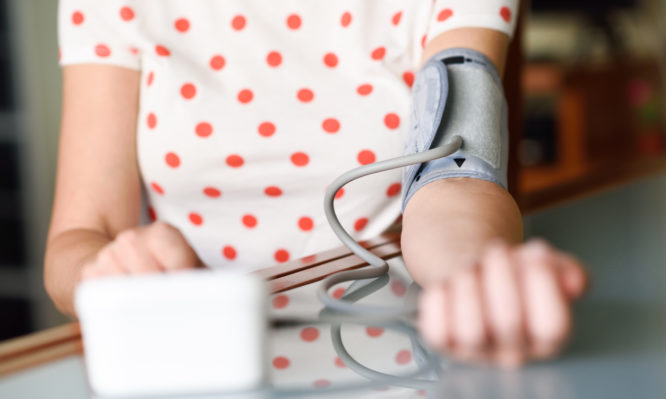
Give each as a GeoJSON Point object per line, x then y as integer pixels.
{"type": "Point", "coordinates": [459, 161]}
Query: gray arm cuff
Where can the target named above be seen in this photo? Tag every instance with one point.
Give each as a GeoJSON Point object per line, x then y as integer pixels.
{"type": "Point", "coordinates": [458, 92]}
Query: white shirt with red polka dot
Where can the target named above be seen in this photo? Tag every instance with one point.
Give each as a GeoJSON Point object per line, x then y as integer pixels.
{"type": "Point", "coordinates": [250, 108]}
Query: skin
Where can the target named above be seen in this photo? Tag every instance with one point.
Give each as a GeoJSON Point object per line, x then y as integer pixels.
{"type": "Point", "coordinates": [94, 229]}
{"type": "Point", "coordinates": [487, 298]}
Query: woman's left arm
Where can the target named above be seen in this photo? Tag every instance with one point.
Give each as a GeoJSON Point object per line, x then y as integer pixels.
{"type": "Point", "coordinates": [487, 297]}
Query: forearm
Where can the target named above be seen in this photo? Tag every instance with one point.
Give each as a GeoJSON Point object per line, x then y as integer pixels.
{"type": "Point", "coordinates": [447, 223]}
{"type": "Point", "coordinates": [66, 253]}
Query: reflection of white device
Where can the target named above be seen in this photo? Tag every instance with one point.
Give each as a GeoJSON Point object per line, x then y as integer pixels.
{"type": "Point", "coordinates": [187, 332]}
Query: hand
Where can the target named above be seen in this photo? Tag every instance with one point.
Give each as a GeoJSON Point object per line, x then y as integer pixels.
{"type": "Point", "coordinates": [513, 306]}
{"type": "Point", "coordinates": [158, 247]}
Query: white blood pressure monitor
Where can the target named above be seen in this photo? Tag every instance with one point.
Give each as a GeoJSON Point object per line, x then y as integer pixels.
{"type": "Point", "coordinates": [188, 332]}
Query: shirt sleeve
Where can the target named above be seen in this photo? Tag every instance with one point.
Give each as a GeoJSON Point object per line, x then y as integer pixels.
{"type": "Point", "coordinates": [500, 15]}
{"type": "Point", "coordinates": [97, 32]}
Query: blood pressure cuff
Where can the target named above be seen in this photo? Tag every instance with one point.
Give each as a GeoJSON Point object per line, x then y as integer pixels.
{"type": "Point", "coordinates": [457, 92]}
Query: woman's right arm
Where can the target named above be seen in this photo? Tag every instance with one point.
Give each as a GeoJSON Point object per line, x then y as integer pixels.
{"type": "Point", "coordinates": [94, 227]}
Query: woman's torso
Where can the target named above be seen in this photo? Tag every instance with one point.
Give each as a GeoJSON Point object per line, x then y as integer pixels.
{"type": "Point", "coordinates": [249, 109]}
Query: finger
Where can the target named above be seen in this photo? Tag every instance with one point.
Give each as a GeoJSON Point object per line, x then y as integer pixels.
{"type": "Point", "coordinates": [108, 261]}
{"type": "Point", "coordinates": [572, 275]}
{"type": "Point", "coordinates": [547, 312]}
{"type": "Point", "coordinates": [435, 316]}
{"type": "Point", "coordinates": [134, 255]}
{"type": "Point", "coordinates": [469, 329]}
{"type": "Point", "coordinates": [168, 246]}
{"type": "Point", "coordinates": [91, 272]}
{"type": "Point", "coordinates": [482, 357]}
{"type": "Point", "coordinates": [574, 278]}
{"type": "Point", "coordinates": [503, 304]}
{"type": "Point", "coordinates": [98, 269]}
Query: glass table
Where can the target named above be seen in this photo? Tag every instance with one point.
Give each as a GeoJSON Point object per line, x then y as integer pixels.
{"type": "Point", "coordinates": [618, 349]}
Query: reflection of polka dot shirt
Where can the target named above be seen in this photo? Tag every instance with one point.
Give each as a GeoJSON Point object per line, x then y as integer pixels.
{"type": "Point", "coordinates": [250, 108]}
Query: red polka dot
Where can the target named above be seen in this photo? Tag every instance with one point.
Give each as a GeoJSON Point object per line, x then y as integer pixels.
{"type": "Point", "coordinates": [188, 91]}
{"type": "Point", "coordinates": [338, 292]}
{"type": "Point", "coordinates": [280, 362]}
{"type": "Point", "coordinates": [229, 252]}
{"type": "Point", "coordinates": [305, 95]}
{"type": "Point", "coordinates": [398, 288]}
{"type": "Point", "coordinates": [212, 192]}
{"type": "Point", "coordinates": [182, 25]}
{"type": "Point", "coordinates": [294, 21]}
{"type": "Point", "coordinates": [408, 77]}
{"type": "Point", "coordinates": [273, 191]}
{"type": "Point", "coordinates": [217, 62]}
{"type": "Point", "coordinates": [235, 161]}
{"type": "Point", "coordinates": [172, 159]}
{"type": "Point", "coordinates": [392, 120]}
{"type": "Point", "coordinates": [203, 129]}
{"type": "Point", "coordinates": [150, 78]}
{"type": "Point", "coordinates": [274, 58]}
{"type": "Point", "coordinates": [151, 214]}
{"type": "Point", "coordinates": [444, 14]}
{"type": "Point", "coordinates": [305, 223]}
{"type": "Point", "coordinates": [365, 157]}
{"type": "Point", "coordinates": [505, 12]}
{"type": "Point", "coordinates": [238, 22]}
{"type": "Point", "coordinates": [364, 89]}
{"type": "Point", "coordinates": [300, 158]}
{"type": "Point", "coordinates": [102, 50]}
{"type": "Point", "coordinates": [308, 259]}
{"type": "Point", "coordinates": [249, 221]}
{"type": "Point", "coordinates": [396, 18]}
{"type": "Point", "coordinates": [280, 301]}
{"type": "Point", "coordinates": [339, 363]}
{"type": "Point", "coordinates": [321, 383]}
{"type": "Point", "coordinates": [360, 224]}
{"type": "Point", "coordinates": [126, 14]}
{"type": "Point", "coordinates": [266, 129]}
{"type": "Point", "coordinates": [245, 96]}
{"type": "Point", "coordinates": [403, 357]}
{"type": "Point", "coordinates": [424, 38]}
{"type": "Point", "coordinates": [151, 120]}
{"type": "Point", "coordinates": [340, 193]}
{"type": "Point", "coordinates": [345, 19]}
{"type": "Point", "coordinates": [162, 51]}
{"type": "Point", "coordinates": [331, 60]}
{"type": "Point", "coordinates": [281, 255]}
{"type": "Point", "coordinates": [374, 332]}
{"type": "Point", "coordinates": [309, 334]}
{"type": "Point", "coordinates": [134, 50]}
{"type": "Point", "coordinates": [77, 18]}
{"type": "Point", "coordinates": [196, 219]}
{"type": "Point", "coordinates": [393, 190]}
{"type": "Point", "coordinates": [331, 125]}
{"type": "Point", "coordinates": [157, 188]}
{"type": "Point", "coordinates": [378, 53]}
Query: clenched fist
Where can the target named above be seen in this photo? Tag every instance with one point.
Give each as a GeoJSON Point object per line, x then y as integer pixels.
{"type": "Point", "coordinates": [513, 306]}
{"type": "Point", "coordinates": [158, 247]}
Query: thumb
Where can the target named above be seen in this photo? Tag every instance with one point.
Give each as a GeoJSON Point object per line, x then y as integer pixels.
{"type": "Point", "coordinates": [573, 277]}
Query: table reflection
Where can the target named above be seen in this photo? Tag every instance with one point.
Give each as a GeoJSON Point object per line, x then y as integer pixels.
{"type": "Point", "coordinates": [618, 351]}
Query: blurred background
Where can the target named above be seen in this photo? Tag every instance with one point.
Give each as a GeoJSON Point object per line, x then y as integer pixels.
{"type": "Point", "coordinates": [591, 155]}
